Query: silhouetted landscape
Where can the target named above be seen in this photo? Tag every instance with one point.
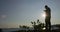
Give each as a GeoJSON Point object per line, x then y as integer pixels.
{"type": "Point", "coordinates": [54, 28]}
{"type": "Point", "coordinates": [40, 27]}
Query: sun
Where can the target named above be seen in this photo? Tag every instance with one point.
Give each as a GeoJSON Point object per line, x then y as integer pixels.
{"type": "Point", "coordinates": [43, 15]}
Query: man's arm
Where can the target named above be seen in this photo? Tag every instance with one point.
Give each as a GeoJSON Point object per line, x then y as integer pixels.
{"type": "Point", "coordinates": [45, 10]}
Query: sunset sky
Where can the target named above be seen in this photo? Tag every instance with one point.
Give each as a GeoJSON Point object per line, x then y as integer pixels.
{"type": "Point", "coordinates": [21, 12]}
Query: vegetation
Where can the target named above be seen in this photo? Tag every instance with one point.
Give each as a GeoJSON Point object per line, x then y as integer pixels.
{"type": "Point", "coordinates": [38, 25]}
{"type": "Point", "coordinates": [24, 26]}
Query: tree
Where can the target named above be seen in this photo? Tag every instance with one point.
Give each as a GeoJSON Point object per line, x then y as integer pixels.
{"type": "Point", "coordinates": [39, 25]}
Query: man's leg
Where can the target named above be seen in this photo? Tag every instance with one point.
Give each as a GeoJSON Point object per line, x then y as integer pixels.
{"type": "Point", "coordinates": [49, 24]}
{"type": "Point", "coordinates": [46, 26]}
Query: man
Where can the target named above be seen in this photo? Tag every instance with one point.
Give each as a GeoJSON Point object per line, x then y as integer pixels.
{"type": "Point", "coordinates": [48, 17]}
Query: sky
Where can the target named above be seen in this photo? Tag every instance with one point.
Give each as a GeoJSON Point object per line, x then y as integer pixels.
{"type": "Point", "coordinates": [21, 12]}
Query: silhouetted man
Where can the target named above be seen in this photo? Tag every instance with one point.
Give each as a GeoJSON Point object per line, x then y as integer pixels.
{"type": "Point", "coordinates": [48, 17]}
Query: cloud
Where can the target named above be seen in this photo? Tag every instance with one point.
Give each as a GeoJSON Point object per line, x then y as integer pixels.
{"type": "Point", "coordinates": [3, 16]}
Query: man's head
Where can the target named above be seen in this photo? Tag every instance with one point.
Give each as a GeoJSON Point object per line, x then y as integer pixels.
{"type": "Point", "coordinates": [46, 6]}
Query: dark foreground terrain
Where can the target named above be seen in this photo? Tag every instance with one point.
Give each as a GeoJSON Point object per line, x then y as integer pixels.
{"type": "Point", "coordinates": [36, 31]}
{"type": "Point", "coordinates": [58, 30]}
